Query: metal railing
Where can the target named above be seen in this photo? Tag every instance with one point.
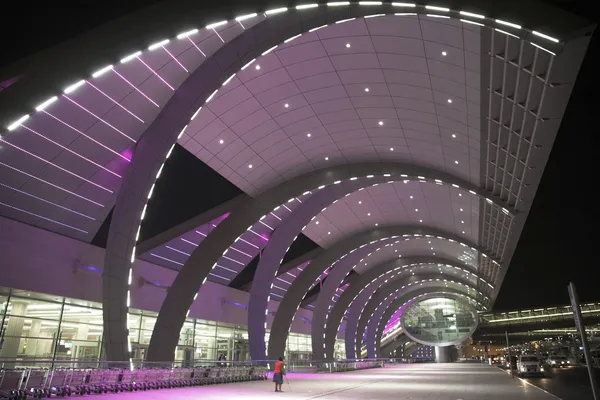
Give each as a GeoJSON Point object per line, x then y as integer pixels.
{"type": "Point", "coordinates": [46, 378]}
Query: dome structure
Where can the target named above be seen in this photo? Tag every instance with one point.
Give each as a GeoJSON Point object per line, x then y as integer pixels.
{"type": "Point", "coordinates": [406, 140]}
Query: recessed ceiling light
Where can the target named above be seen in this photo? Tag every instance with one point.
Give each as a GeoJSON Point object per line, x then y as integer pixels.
{"type": "Point", "coordinates": [326, 158]}
{"type": "Point", "coordinates": [380, 122]}
{"type": "Point", "coordinates": [450, 101]}
{"type": "Point", "coordinates": [411, 197]}
{"type": "Point", "coordinates": [416, 209]}
{"type": "Point", "coordinates": [462, 222]}
{"type": "Point", "coordinates": [463, 232]}
{"type": "Point", "coordinates": [444, 53]}
{"type": "Point", "coordinates": [368, 214]}
{"type": "Point", "coordinates": [221, 141]}
{"type": "Point", "coordinates": [420, 220]}
{"type": "Point", "coordinates": [395, 251]}
{"type": "Point", "coordinates": [455, 161]}
{"type": "Point", "coordinates": [257, 67]}
{"type": "Point", "coordinates": [391, 149]}
{"type": "Point", "coordinates": [317, 222]}
{"type": "Point", "coordinates": [434, 253]}
{"type": "Point", "coordinates": [249, 165]}
{"type": "Point", "coordinates": [454, 135]}
{"type": "Point", "coordinates": [308, 135]}
{"type": "Point", "coordinates": [329, 233]}
{"type": "Point", "coordinates": [360, 202]}
{"type": "Point", "coordinates": [376, 224]}
{"type": "Point", "coordinates": [348, 45]}
{"type": "Point", "coordinates": [366, 89]}
{"type": "Point", "coordinates": [460, 195]}
{"type": "Point", "coordinates": [286, 105]}
{"type": "Point", "coordinates": [461, 209]}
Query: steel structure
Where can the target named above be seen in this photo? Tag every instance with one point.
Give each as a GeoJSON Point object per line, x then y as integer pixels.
{"type": "Point", "coordinates": [381, 130]}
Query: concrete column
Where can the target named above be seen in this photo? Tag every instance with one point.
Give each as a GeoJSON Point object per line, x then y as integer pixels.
{"type": "Point", "coordinates": [445, 354]}
{"type": "Point", "coordinates": [33, 341]}
{"type": "Point", "coordinates": [14, 331]}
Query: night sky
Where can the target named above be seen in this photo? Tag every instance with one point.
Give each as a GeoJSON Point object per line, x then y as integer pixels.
{"type": "Point", "coordinates": [557, 244]}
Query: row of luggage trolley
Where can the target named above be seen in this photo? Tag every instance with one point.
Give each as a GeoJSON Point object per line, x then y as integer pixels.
{"type": "Point", "coordinates": [19, 384]}
{"type": "Point", "coordinates": [350, 366]}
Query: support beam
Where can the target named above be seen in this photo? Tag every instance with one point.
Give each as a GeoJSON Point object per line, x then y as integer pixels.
{"type": "Point", "coordinates": [194, 272]}
{"type": "Point", "coordinates": [390, 291]}
{"type": "Point", "coordinates": [367, 284]}
{"type": "Point", "coordinates": [356, 244]}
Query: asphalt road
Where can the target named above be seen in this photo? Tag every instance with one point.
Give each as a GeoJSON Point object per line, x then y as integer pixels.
{"type": "Point", "coordinates": [571, 383]}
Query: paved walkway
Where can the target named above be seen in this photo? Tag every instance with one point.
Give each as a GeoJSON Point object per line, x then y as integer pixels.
{"type": "Point", "coordinates": [460, 381]}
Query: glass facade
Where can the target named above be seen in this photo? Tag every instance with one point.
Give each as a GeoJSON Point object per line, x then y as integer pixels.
{"type": "Point", "coordinates": [37, 326]}
{"type": "Point", "coordinates": [439, 321]}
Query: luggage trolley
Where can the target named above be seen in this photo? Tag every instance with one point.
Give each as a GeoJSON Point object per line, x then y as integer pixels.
{"type": "Point", "coordinates": [110, 380]}
{"type": "Point", "coordinates": [177, 378]}
{"type": "Point", "coordinates": [199, 376]}
{"type": "Point", "coordinates": [188, 376]}
{"type": "Point", "coordinates": [34, 384]}
{"type": "Point", "coordinates": [56, 382]}
{"type": "Point", "coordinates": [127, 381]}
{"type": "Point", "coordinates": [76, 382]}
{"type": "Point", "coordinates": [10, 383]}
{"type": "Point", "coordinates": [164, 378]}
{"type": "Point", "coordinates": [94, 382]}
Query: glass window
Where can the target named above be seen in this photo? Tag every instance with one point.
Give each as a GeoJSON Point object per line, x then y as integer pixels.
{"type": "Point", "coordinates": [205, 341]}
{"type": "Point", "coordinates": [225, 340]}
{"type": "Point", "coordinates": [31, 329]}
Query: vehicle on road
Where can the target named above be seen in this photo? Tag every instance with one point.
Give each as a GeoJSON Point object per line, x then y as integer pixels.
{"type": "Point", "coordinates": [529, 365]}
{"type": "Point", "coordinates": [558, 362]}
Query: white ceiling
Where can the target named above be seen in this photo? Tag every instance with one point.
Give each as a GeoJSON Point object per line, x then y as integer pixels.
{"type": "Point", "coordinates": [398, 203]}
{"type": "Point", "coordinates": [397, 58]}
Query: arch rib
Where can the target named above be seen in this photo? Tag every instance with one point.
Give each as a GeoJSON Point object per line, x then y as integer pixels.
{"type": "Point", "coordinates": [385, 295]}
{"type": "Point", "coordinates": [296, 292]}
{"type": "Point", "coordinates": [194, 272]}
{"type": "Point", "coordinates": [367, 282]}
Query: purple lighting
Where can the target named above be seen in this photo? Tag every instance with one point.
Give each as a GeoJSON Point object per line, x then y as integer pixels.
{"type": "Point", "coordinates": [48, 202]}
{"type": "Point", "coordinates": [127, 154]}
{"type": "Point", "coordinates": [56, 166]}
{"type": "Point", "coordinates": [52, 184]}
{"type": "Point", "coordinates": [41, 217]}
{"type": "Point", "coordinates": [218, 276]}
{"type": "Point", "coordinates": [157, 75]}
{"type": "Point", "coordinates": [196, 46]}
{"type": "Point", "coordinates": [175, 59]}
{"type": "Point", "coordinates": [135, 88]}
{"type": "Point", "coordinates": [116, 102]}
{"type": "Point", "coordinates": [71, 151]}
{"type": "Point", "coordinates": [98, 118]}
{"type": "Point", "coordinates": [84, 135]}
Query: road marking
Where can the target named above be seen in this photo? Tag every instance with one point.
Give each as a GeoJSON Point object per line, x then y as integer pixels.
{"type": "Point", "coordinates": [531, 384]}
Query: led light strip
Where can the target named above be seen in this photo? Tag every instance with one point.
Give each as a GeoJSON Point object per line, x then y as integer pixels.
{"type": "Point", "coordinates": [300, 7]}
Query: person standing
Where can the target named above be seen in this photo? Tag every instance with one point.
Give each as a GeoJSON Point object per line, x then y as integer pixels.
{"type": "Point", "coordinates": [278, 374]}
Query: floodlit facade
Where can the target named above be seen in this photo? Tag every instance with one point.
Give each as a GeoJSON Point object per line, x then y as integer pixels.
{"type": "Point", "coordinates": [406, 140]}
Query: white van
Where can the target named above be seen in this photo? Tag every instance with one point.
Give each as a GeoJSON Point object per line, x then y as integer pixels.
{"type": "Point", "coordinates": [529, 364]}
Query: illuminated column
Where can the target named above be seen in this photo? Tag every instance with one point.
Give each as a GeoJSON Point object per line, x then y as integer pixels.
{"type": "Point", "coordinates": [13, 332]}
{"type": "Point", "coordinates": [445, 354]}
{"type": "Point", "coordinates": [33, 343]}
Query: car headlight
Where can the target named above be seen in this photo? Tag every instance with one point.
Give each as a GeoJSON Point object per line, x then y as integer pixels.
{"type": "Point", "coordinates": [552, 362]}
{"type": "Point", "coordinates": [542, 369]}
{"type": "Point", "coordinates": [568, 362]}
